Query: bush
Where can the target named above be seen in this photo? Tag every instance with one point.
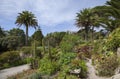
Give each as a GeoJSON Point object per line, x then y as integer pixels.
{"type": "Point", "coordinates": [107, 65]}
{"type": "Point", "coordinates": [9, 43]}
{"type": "Point", "coordinates": [66, 58]}
{"type": "Point", "coordinates": [35, 75]}
{"type": "Point", "coordinates": [76, 64]}
{"type": "Point", "coordinates": [54, 38]}
{"type": "Point", "coordinates": [46, 67]}
{"type": "Point", "coordinates": [10, 58]}
{"type": "Point", "coordinates": [28, 74]}
{"type": "Point", "coordinates": [84, 51]}
{"type": "Point", "coordinates": [113, 41]}
{"type": "Point", "coordinates": [69, 41]}
{"type": "Point", "coordinates": [62, 75]}
{"type": "Point", "coordinates": [26, 50]}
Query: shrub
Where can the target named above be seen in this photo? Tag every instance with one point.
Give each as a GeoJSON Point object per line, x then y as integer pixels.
{"type": "Point", "coordinates": [113, 41]}
{"type": "Point", "coordinates": [46, 67]}
{"type": "Point", "coordinates": [76, 64]}
{"type": "Point", "coordinates": [27, 74]}
{"type": "Point", "coordinates": [35, 75]}
{"type": "Point", "coordinates": [62, 75]}
{"type": "Point", "coordinates": [107, 65]}
{"type": "Point", "coordinates": [84, 51]}
{"type": "Point", "coordinates": [66, 58]}
{"type": "Point", "coordinates": [54, 38]}
{"type": "Point", "coordinates": [10, 58]}
{"type": "Point", "coordinates": [26, 50]}
{"type": "Point", "coordinates": [9, 43]}
{"type": "Point", "coordinates": [83, 67]}
{"type": "Point", "coordinates": [69, 41]}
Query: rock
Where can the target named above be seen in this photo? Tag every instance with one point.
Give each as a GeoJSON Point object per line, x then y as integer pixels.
{"type": "Point", "coordinates": [118, 52]}
{"type": "Point", "coordinates": [75, 71]}
{"type": "Point", "coordinates": [117, 71]}
{"type": "Point", "coordinates": [116, 76]}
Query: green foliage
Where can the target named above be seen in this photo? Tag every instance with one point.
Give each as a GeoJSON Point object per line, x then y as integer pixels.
{"type": "Point", "coordinates": [27, 74]}
{"type": "Point", "coordinates": [99, 46]}
{"type": "Point", "coordinates": [54, 38]}
{"type": "Point", "coordinates": [2, 33]}
{"type": "Point", "coordinates": [26, 50]}
{"type": "Point", "coordinates": [62, 75]}
{"type": "Point", "coordinates": [36, 55]}
{"type": "Point", "coordinates": [28, 19]}
{"type": "Point", "coordinates": [34, 76]}
{"type": "Point", "coordinates": [84, 51]}
{"type": "Point", "coordinates": [12, 40]}
{"type": "Point", "coordinates": [69, 41]}
{"type": "Point", "coordinates": [46, 67]}
{"type": "Point", "coordinates": [38, 36]}
{"type": "Point", "coordinates": [107, 65]}
{"type": "Point", "coordinates": [83, 67]}
{"type": "Point", "coordinates": [113, 41]}
{"type": "Point", "coordinates": [87, 20]}
{"type": "Point", "coordinates": [10, 58]}
{"type": "Point", "coordinates": [66, 58]}
{"type": "Point", "coordinates": [19, 33]}
{"type": "Point", "coordinates": [76, 64]}
{"type": "Point", "coordinates": [9, 43]}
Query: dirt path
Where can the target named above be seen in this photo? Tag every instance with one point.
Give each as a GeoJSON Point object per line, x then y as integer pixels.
{"type": "Point", "coordinates": [91, 72]}
{"type": "Point", "coordinates": [12, 71]}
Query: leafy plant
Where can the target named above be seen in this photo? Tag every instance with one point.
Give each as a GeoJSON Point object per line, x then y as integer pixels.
{"type": "Point", "coordinates": [107, 65]}
{"type": "Point", "coordinates": [113, 41]}
{"type": "Point", "coordinates": [10, 58]}
{"type": "Point", "coordinates": [69, 41]}
{"type": "Point", "coordinates": [66, 58]}
{"type": "Point", "coordinates": [46, 67]}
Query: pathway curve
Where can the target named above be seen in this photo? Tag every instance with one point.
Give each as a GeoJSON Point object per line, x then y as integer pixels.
{"type": "Point", "coordinates": [91, 71]}
{"type": "Point", "coordinates": [12, 71]}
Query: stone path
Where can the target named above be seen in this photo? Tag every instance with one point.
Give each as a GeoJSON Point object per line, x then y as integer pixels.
{"type": "Point", "coordinates": [12, 71]}
{"type": "Point", "coordinates": [91, 71]}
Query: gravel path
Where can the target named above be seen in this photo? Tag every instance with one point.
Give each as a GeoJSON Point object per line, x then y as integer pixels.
{"type": "Point", "coordinates": [91, 71]}
{"type": "Point", "coordinates": [12, 71]}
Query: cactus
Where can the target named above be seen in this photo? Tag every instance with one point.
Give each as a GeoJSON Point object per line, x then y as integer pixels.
{"type": "Point", "coordinates": [49, 51]}
{"type": "Point", "coordinates": [43, 45]}
{"type": "Point", "coordinates": [34, 62]}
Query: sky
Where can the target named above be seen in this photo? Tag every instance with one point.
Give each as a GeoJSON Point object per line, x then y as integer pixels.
{"type": "Point", "coordinates": [52, 15]}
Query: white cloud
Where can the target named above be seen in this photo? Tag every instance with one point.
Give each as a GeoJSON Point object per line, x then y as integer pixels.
{"type": "Point", "coordinates": [52, 12]}
{"type": "Point", "coordinates": [48, 12]}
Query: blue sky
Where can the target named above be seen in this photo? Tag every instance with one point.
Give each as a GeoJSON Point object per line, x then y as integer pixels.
{"type": "Point", "coordinates": [52, 15]}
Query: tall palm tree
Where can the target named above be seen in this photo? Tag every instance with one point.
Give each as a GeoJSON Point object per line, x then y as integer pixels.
{"type": "Point", "coordinates": [115, 6]}
{"type": "Point", "coordinates": [27, 19]}
{"type": "Point", "coordinates": [109, 14]}
{"type": "Point", "coordinates": [86, 19]}
{"type": "Point", "coordinates": [82, 21]}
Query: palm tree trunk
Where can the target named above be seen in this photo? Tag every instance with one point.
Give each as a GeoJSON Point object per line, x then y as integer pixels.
{"type": "Point", "coordinates": [86, 33]}
{"type": "Point", "coordinates": [26, 41]}
{"type": "Point", "coordinates": [92, 33]}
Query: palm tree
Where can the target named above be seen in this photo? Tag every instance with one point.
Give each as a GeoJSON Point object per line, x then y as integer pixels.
{"type": "Point", "coordinates": [27, 19]}
{"type": "Point", "coordinates": [2, 32]}
{"type": "Point", "coordinates": [115, 6]}
{"type": "Point", "coordinates": [87, 20]}
{"type": "Point", "coordinates": [109, 14]}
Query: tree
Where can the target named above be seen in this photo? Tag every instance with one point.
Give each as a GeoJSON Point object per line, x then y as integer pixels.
{"type": "Point", "coordinates": [27, 19]}
{"type": "Point", "coordinates": [54, 38]}
{"type": "Point", "coordinates": [19, 33]}
{"type": "Point", "coordinates": [2, 33]}
{"type": "Point", "coordinates": [115, 7]}
{"type": "Point", "coordinates": [87, 20]}
{"type": "Point", "coordinates": [109, 14]}
{"type": "Point", "coordinates": [38, 36]}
